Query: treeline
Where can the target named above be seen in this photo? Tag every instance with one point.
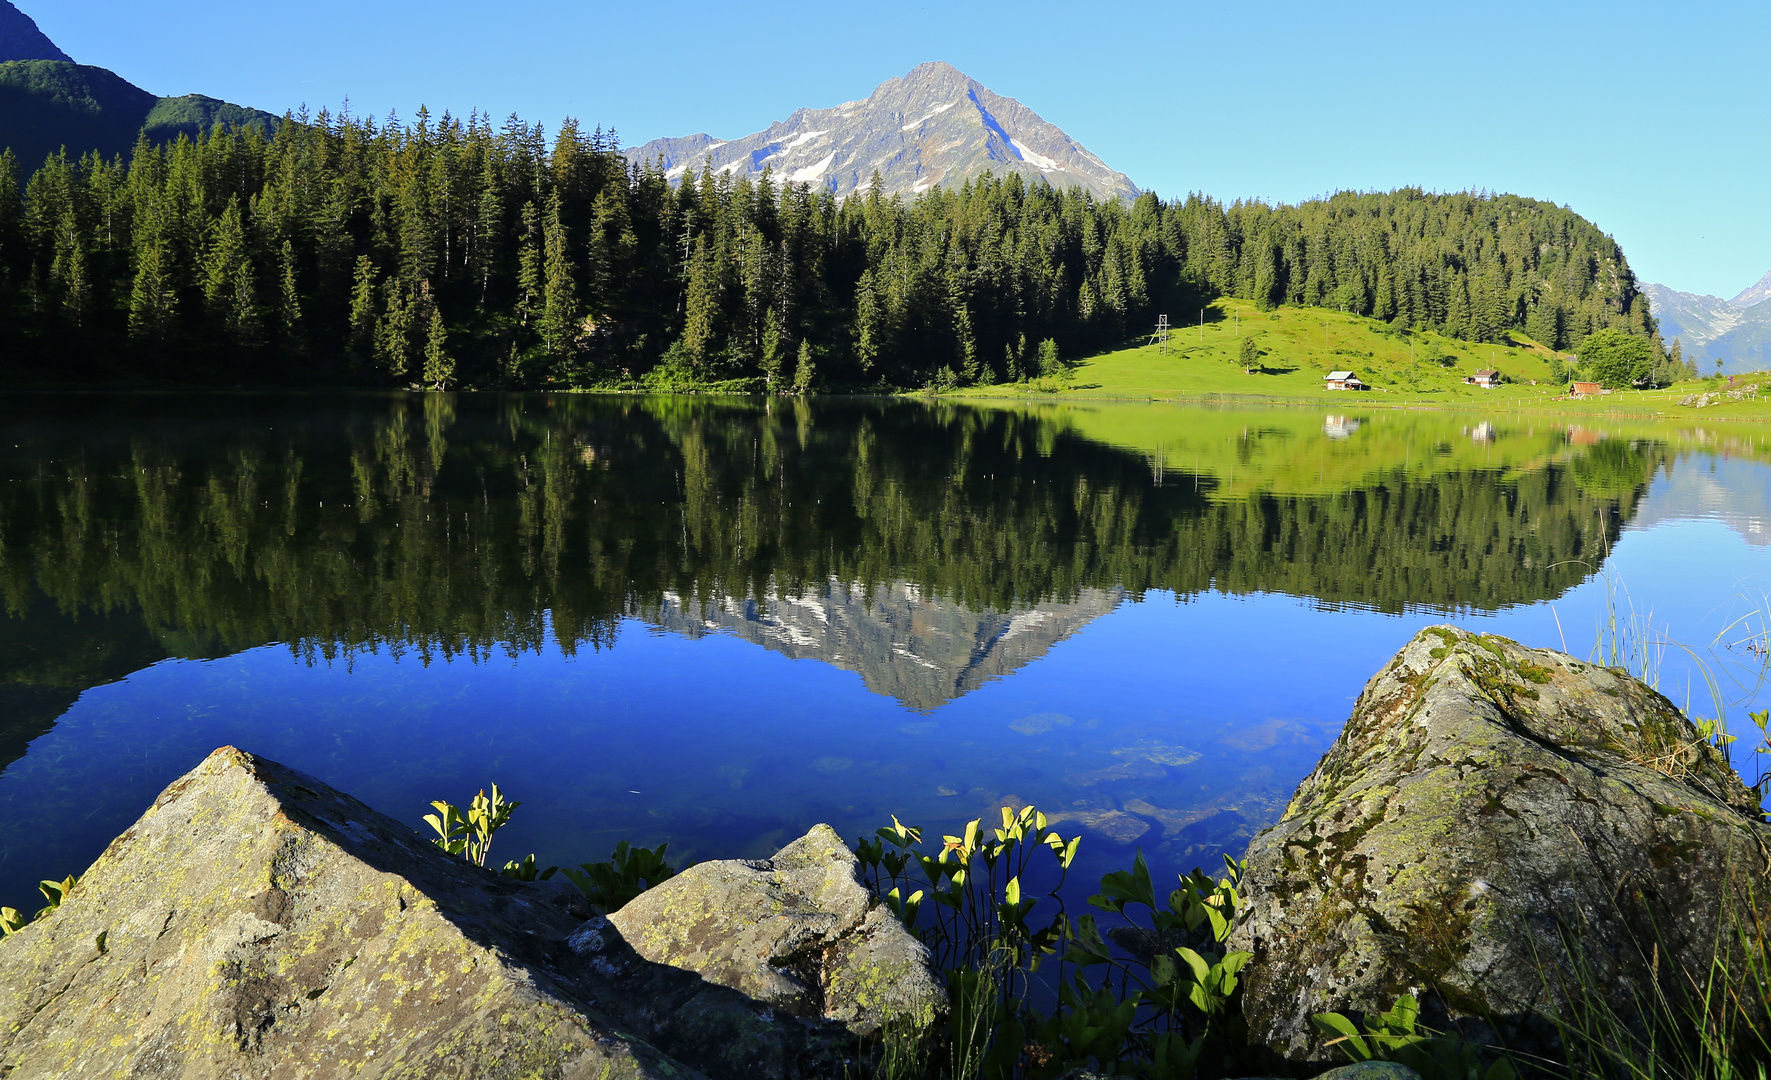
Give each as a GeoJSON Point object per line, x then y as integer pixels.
{"type": "Point", "coordinates": [448, 253]}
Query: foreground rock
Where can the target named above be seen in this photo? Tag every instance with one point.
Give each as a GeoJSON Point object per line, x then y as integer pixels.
{"type": "Point", "coordinates": [256, 923]}
{"type": "Point", "coordinates": [1486, 805]}
{"type": "Point", "coordinates": [798, 931]}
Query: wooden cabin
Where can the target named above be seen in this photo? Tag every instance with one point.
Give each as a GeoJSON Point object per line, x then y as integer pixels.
{"type": "Point", "coordinates": [1342, 380]}
{"type": "Point", "coordinates": [1585, 389]}
{"type": "Point", "coordinates": [1485, 378]}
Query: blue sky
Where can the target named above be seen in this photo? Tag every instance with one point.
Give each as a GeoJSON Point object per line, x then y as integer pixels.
{"type": "Point", "coordinates": [1648, 119]}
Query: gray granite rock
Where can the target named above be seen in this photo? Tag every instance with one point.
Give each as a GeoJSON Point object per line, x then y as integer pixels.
{"type": "Point", "coordinates": [1492, 821]}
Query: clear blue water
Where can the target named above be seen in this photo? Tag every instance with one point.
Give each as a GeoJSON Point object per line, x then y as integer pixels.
{"type": "Point", "coordinates": [614, 610]}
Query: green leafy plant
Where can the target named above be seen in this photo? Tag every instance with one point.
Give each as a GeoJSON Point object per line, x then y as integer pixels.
{"type": "Point", "coordinates": [1396, 1034]}
{"type": "Point", "coordinates": [1148, 1004]}
{"type": "Point", "coordinates": [629, 872]}
{"type": "Point", "coordinates": [469, 835]}
{"type": "Point", "coordinates": [12, 920]}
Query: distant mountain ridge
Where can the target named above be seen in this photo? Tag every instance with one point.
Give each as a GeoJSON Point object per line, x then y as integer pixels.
{"type": "Point", "coordinates": [21, 40]}
{"type": "Point", "coordinates": [934, 126]}
{"type": "Point", "coordinates": [48, 102]}
{"type": "Point", "coordinates": [1736, 331]}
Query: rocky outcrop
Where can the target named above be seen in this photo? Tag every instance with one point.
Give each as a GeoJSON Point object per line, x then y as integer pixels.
{"type": "Point", "coordinates": [256, 923]}
{"type": "Point", "coordinates": [1495, 825]}
{"type": "Point", "coordinates": [798, 931]}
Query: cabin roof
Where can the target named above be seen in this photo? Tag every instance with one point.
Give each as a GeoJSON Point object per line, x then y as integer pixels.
{"type": "Point", "coordinates": [1486, 373]}
{"type": "Point", "coordinates": [1340, 376]}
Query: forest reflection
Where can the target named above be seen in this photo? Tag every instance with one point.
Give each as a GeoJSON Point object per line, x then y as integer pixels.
{"type": "Point", "coordinates": [138, 528]}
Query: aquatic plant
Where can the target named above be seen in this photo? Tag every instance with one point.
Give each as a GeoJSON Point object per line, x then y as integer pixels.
{"type": "Point", "coordinates": [628, 872]}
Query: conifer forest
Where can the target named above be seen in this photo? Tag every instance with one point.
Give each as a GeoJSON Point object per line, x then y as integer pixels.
{"type": "Point", "coordinates": [443, 252]}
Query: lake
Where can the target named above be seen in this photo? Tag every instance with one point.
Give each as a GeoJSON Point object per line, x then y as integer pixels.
{"type": "Point", "coordinates": [715, 622]}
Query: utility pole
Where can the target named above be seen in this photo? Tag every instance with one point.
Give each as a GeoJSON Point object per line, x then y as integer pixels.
{"type": "Point", "coordinates": [1201, 326]}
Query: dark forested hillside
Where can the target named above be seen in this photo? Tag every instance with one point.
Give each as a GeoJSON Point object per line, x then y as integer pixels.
{"type": "Point", "coordinates": [46, 105]}
{"type": "Point", "coordinates": [446, 252]}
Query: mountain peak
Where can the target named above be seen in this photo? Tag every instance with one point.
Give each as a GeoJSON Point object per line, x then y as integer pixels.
{"type": "Point", "coordinates": [21, 40]}
{"type": "Point", "coordinates": [934, 126]}
{"type": "Point", "coordinates": [1756, 294]}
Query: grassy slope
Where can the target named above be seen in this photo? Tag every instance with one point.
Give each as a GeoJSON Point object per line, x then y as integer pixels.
{"type": "Point", "coordinates": [1299, 346]}
{"type": "Point", "coordinates": [1250, 450]}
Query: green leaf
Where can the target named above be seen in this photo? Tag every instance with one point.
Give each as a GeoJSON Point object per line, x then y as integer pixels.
{"type": "Point", "coordinates": [1348, 1035]}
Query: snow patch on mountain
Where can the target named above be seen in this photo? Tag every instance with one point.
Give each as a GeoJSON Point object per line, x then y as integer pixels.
{"type": "Point", "coordinates": [1033, 157]}
{"type": "Point", "coordinates": [852, 141]}
{"type": "Point", "coordinates": [914, 124]}
{"type": "Point", "coordinates": [812, 172]}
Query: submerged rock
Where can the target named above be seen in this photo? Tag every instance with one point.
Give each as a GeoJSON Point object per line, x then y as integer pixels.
{"type": "Point", "coordinates": [1494, 827]}
{"type": "Point", "coordinates": [798, 931]}
{"type": "Point", "coordinates": [257, 923]}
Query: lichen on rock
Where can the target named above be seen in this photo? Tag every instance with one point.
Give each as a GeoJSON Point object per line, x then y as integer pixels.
{"type": "Point", "coordinates": [255, 923]}
{"type": "Point", "coordinates": [798, 931]}
{"type": "Point", "coordinates": [1494, 824]}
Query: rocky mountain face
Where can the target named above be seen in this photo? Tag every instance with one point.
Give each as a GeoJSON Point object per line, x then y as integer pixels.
{"type": "Point", "coordinates": [1757, 293]}
{"type": "Point", "coordinates": [932, 127]}
{"type": "Point", "coordinates": [1736, 331]}
{"type": "Point", "coordinates": [21, 40]}
{"type": "Point", "coordinates": [923, 651]}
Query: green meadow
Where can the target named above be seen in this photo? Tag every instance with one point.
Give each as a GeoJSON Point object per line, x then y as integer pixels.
{"type": "Point", "coordinates": [1295, 347]}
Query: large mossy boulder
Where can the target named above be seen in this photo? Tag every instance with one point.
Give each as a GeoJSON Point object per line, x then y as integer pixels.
{"type": "Point", "coordinates": [1500, 831]}
{"type": "Point", "coordinates": [255, 923]}
{"type": "Point", "coordinates": [798, 931]}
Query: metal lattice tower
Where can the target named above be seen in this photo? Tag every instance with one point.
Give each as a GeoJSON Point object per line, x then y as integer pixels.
{"type": "Point", "coordinates": [1160, 337]}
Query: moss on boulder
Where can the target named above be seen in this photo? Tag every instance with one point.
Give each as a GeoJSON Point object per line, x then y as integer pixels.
{"type": "Point", "coordinates": [1495, 825]}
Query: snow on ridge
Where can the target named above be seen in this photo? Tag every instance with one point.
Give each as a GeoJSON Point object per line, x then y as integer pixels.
{"type": "Point", "coordinates": [930, 116]}
{"type": "Point", "coordinates": [805, 138]}
{"type": "Point", "coordinates": [923, 185]}
{"type": "Point", "coordinates": [1031, 157]}
{"type": "Point", "coordinates": [714, 146]}
{"type": "Point", "coordinates": [812, 172]}
{"type": "Point", "coordinates": [672, 174]}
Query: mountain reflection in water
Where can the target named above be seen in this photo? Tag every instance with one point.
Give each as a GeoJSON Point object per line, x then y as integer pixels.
{"type": "Point", "coordinates": [928, 548]}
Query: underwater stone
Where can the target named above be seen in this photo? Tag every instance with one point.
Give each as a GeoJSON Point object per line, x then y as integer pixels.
{"type": "Point", "coordinates": [798, 931]}
{"type": "Point", "coordinates": [1495, 825]}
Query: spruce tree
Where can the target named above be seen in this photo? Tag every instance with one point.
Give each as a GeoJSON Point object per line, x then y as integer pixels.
{"type": "Point", "coordinates": [805, 375]}
{"type": "Point", "coordinates": [393, 338]}
{"type": "Point", "coordinates": [529, 264]}
{"type": "Point", "coordinates": [152, 300]}
{"type": "Point", "coordinates": [364, 323]}
{"type": "Point", "coordinates": [439, 366]}
{"type": "Point", "coordinates": [289, 305]}
{"type": "Point", "coordinates": [559, 313]}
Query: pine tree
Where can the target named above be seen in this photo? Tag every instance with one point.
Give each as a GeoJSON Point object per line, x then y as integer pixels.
{"type": "Point", "coordinates": [805, 376]}
{"type": "Point", "coordinates": [529, 263]}
{"type": "Point", "coordinates": [1248, 354]}
{"type": "Point", "coordinates": [439, 366]}
{"type": "Point", "coordinates": [364, 323]}
{"type": "Point", "coordinates": [393, 339]}
{"type": "Point", "coordinates": [229, 295]}
{"type": "Point", "coordinates": [289, 305]}
{"type": "Point", "coordinates": [559, 313]}
{"type": "Point", "coordinates": [152, 301]}
{"type": "Point", "coordinates": [774, 343]}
